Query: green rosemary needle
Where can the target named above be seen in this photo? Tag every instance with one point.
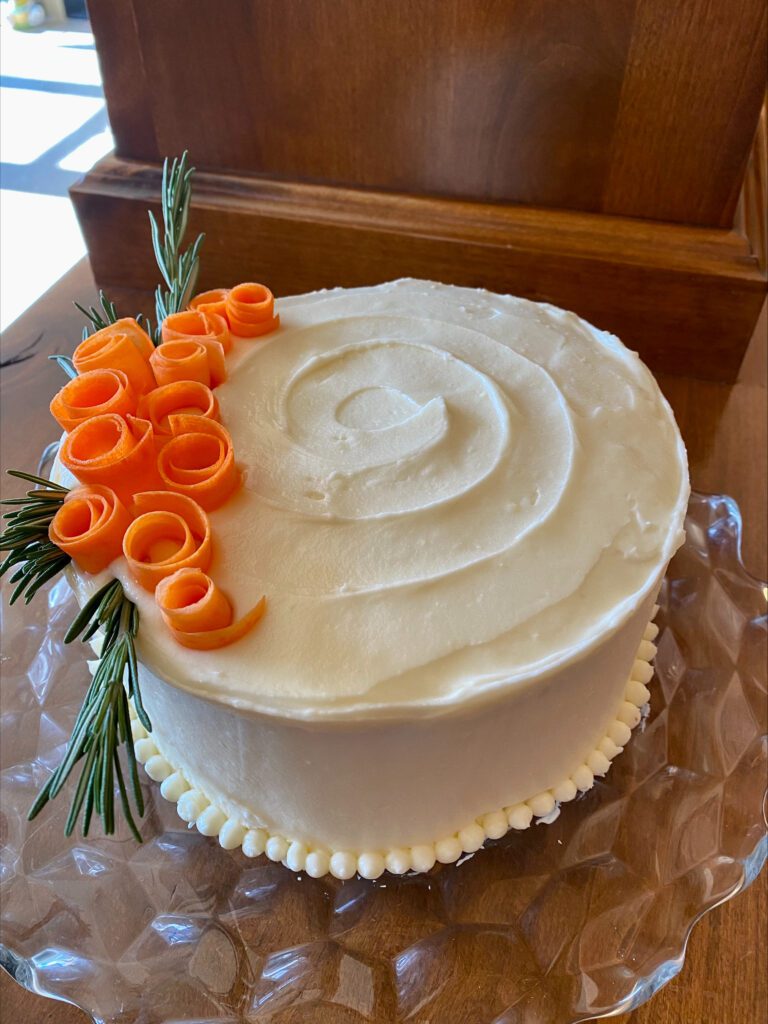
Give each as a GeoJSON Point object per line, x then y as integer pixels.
{"type": "Point", "coordinates": [25, 537]}
{"type": "Point", "coordinates": [179, 269]}
{"type": "Point", "coordinates": [103, 723]}
{"type": "Point", "coordinates": [99, 319]}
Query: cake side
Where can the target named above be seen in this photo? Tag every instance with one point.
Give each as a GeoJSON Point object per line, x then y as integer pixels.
{"type": "Point", "coordinates": [380, 801]}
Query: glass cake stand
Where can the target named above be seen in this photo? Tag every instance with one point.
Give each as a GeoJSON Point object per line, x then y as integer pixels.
{"type": "Point", "coordinates": [570, 921]}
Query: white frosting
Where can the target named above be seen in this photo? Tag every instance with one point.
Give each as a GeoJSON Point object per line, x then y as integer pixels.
{"type": "Point", "coordinates": [448, 494]}
{"type": "Point", "coordinates": [460, 507]}
{"type": "Point", "coordinates": [314, 858]}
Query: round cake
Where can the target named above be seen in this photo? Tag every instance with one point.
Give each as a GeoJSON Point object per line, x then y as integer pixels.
{"type": "Point", "coordinates": [460, 507]}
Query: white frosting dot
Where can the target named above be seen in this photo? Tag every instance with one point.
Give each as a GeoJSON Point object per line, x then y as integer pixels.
{"type": "Point", "coordinates": [144, 749]}
{"type": "Point", "coordinates": [398, 861]}
{"type": "Point", "coordinates": [173, 787]}
{"type": "Point", "coordinates": [642, 671]}
{"type": "Point", "coordinates": [629, 714]}
{"type": "Point", "coordinates": [191, 805]}
{"type": "Point", "coordinates": [138, 731]}
{"type": "Point", "coordinates": [565, 791]}
{"type": "Point", "coordinates": [317, 863]}
{"type": "Point", "coordinates": [646, 651]}
{"type": "Point", "coordinates": [370, 865]}
{"type": "Point", "coordinates": [519, 816]}
{"type": "Point", "coordinates": [276, 848]}
{"type": "Point", "coordinates": [495, 824]}
{"type": "Point", "coordinates": [598, 763]}
{"type": "Point", "coordinates": [296, 857]}
{"type": "Point", "coordinates": [472, 837]}
{"type": "Point", "coordinates": [254, 842]}
{"type": "Point", "coordinates": [542, 804]}
{"type": "Point", "coordinates": [157, 768]}
{"type": "Point", "coordinates": [343, 864]}
{"type": "Point", "coordinates": [231, 834]}
{"type": "Point", "coordinates": [210, 821]}
{"type": "Point", "coordinates": [637, 693]}
{"type": "Point", "coordinates": [422, 857]}
{"type": "Point", "coordinates": [620, 733]}
{"type": "Point", "coordinates": [609, 748]}
{"type": "Point", "coordinates": [583, 779]}
{"type": "Point", "coordinates": [651, 631]}
{"type": "Point", "coordinates": [448, 850]}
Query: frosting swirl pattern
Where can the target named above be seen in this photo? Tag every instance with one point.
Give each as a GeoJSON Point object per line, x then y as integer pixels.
{"type": "Point", "coordinates": [445, 492]}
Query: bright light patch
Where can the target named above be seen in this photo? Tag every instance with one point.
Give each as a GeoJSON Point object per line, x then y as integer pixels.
{"type": "Point", "coordinates": [33, 258]}
{"type": "Point", "coordinates": [32, 122]}
{"type": "Point", "coordinates": [50, 55]}
{"type": "Point", "coordinates": [85, 156]}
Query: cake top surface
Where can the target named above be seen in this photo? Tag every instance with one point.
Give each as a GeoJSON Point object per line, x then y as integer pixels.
{"type": "Point", "coordinates": [446, 492]}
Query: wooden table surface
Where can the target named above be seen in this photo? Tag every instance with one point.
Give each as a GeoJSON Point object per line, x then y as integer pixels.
{"type": "Point", "coordinates": [724, 979]}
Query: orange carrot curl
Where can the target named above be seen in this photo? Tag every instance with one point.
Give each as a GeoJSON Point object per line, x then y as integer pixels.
{"type": "Point", "coordinates": [122, 345]}
{"type": "Point", "coordinates": [251, 310]}
{"type": "Point", "coordinates": [188, 397]}
{"type": "Point", "coordinates": [169, 532]}
{"type": "Point", "coordinates": [90, 526]}
{"type": "Point", "coordinates": [112, 451]}
{"type": "Point", "coordinates": [199, 461]}
{"type": "Point", "coordinates": [93, 393]}
{"type": "Point", "coordinates": [198, 613]}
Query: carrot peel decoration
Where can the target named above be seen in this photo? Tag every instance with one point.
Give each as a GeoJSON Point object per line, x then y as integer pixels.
{"type": "Point", "coordinates": [188, 397]}
{"type": "Point", "coordinates": [122, 345]}
{"type": "Point", "coordinates": [200, 359]}
{"type": "Point", "coordinates": [112, 451]}
{"type": "Point", "coordinates": [199, 325]}
{"type": "Point", "coordinates": [199, 461]}
{"type": "Point", "coordinates": [93, 393]}
{"type": "Point", "coordinates": [213, 301]}
{"type": "Point", "coordinates": [90, 526]}
{"type": "Point", "coordinates": [198, 614]}
{"type": "Point", "coordinates": [169, 532]}
{"type": "Point", "coordinates": [251, 310]}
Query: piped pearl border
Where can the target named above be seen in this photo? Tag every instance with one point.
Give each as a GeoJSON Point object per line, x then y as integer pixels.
{"type": "Point", "coordinates": [196, 809]}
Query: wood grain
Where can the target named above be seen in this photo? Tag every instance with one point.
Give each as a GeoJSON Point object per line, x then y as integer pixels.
{"type": "Point", "coordinates": [631, 107]}
{"type": "Point", "coordinates": [685, 297]}
{"type": "Point", "coordinates": [723, 980]}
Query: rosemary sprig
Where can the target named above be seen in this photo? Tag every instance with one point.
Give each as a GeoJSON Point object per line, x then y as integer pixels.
{"type": "Point", "coordinates": [25, 536]}
{"type": "Point", "coordinates": [65, 363]}
{"type": "Point", "coordinates": [103, 723]}
{"type": "Point", "coordinates": [99, 318]}
{"type": "Point", "coordinates": [179, 269]}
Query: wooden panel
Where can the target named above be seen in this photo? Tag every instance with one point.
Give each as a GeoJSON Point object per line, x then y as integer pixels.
{"type": "Point", "coordinates": [691, 98]}
{"type": "Point", "coordinates": [686, 298]}
{"type": "Point", "coordinates": [126, 89]}
{"type": "Point", "coordinates": [638, 107]}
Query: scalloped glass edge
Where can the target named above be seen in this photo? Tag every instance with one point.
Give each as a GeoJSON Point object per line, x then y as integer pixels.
{"type": "Point", "coordinates": [752, 865]}
{"type": "Point", "coordinates": [23, 972]}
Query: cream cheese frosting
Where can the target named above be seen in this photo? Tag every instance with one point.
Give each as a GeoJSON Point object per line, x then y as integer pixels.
{"type": "Point", "coordinates": [447, 494]}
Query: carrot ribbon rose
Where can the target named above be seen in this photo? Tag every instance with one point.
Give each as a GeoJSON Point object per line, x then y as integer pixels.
{"type": "Point", "coordinates": [112, 451]}
{"type": "Point", "coordinates": [199, 326]}
{"type": "Point", "coordinates": [251, 310]}
{"type": "Point", "coordinates": [199, 461]}
{"type": "Point", "coordinates": [213, 301]}
{"type": "Point", "coordinates": [197, 359]}
{"type": "Point", "coordinates": [90, 526]}
{"type": "Point", "coordinates": [169, 532]}
{"type": "Point", "coordinates": [93, 393]}
{"type": "Point", "coordinates": [189, 397]}
{"type": "Point", "coordinates": [122, 345]}
{"type": "Point", "coordinates": [198, 614]}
